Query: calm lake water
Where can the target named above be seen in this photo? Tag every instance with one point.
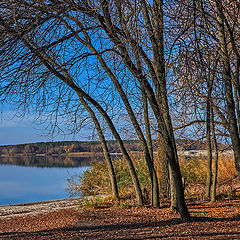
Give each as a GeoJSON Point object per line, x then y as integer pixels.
{"type": "Point", "coordinates": [19, 183]}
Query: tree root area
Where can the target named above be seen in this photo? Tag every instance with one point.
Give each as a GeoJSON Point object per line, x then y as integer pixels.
{"type": "Point", "coordinates": [219, 220]}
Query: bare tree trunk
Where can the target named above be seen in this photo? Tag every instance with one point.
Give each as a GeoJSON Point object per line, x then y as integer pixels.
{"type": "Point", "coordinates": [177, 177]}
{"type": "Point", "coordinates": [119, 141]}
{"type": "Point", "coordinates": [173, 193]}
{"type": "Point", "coordinates": [149, 159]}
{"type": "Point", "coordinates": [105, 149]}
{"type": "Point", "coordinates": [155, 185]}
{"type": "Point", "coordinates": [215, 162]}
{"type": "Point", "coordinates": [147, 124]}
{"type": "Point", "coordinates": [161, 109]}
{"type": "Point", "coordinates": [163, 171]}
{"type": "Point", "coordinates": [237, 103]}
{"type": "Point", "coordinates": [209, 147]}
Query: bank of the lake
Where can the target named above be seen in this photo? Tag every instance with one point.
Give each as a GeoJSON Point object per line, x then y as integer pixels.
{"type": "Point", "coordinates": [33, 208]}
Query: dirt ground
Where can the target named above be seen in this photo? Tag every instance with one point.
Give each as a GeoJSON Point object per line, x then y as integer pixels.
{"type": "Point", "coordinates": [220, 220]}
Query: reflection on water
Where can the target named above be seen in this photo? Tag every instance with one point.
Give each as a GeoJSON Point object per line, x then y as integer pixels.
{"type": "Point", "coordinates": [49, 161]}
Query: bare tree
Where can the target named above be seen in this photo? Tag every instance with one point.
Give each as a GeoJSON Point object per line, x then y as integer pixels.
{"type": "Point", "coordinates": [208, 45]}
{"type": "Point", "coordinates": [58, 35]}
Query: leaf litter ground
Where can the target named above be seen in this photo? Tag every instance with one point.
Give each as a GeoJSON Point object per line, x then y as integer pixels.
{"type": "Point", "coordinates": [219, 220]}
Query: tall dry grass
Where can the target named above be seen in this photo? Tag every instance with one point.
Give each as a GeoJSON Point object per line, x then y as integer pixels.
{"type": "Point", "coordinates": [194, 173]}
{"type": "Point", "coordinates": [95, 181]}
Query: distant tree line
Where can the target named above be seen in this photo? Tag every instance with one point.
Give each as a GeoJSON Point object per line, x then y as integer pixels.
{"type": "Point", "coordinates": [63, 147]}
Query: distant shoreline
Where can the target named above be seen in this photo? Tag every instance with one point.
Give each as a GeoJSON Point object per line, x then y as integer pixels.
{"type": "Point", "coordinates": [95, 154]}
{"type": "Point", "coordinates": [71, 154]}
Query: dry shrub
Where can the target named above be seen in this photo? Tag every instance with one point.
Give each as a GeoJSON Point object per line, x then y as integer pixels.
{"type": "Point", "coordinates": [227, 181]}
{"type": "Point", "coordinates": [95, 181]}
{"type": "Point", "coordinates": [194, 172]}
{"type": "Point", "coordinates": [96, 202]}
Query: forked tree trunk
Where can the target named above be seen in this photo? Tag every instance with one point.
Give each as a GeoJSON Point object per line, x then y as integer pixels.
{"type": "Point", "coordinates": [148, 158]}
{"type": "Point", "coordinates": [155, 27]}
{"type": "Point", "coordinates": [177, 178]}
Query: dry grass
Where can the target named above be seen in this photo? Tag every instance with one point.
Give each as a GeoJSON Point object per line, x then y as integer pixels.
{"type": "Point", "coordinates": [194, 172]}
{"type": "Point", "coordinates": [96, 180]}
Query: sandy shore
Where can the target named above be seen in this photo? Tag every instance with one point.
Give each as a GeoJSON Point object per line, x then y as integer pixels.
{"type": "Point", "coordinates": [34, 208]}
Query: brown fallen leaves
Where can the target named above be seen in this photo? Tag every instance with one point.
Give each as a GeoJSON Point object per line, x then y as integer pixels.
{"type": "Point", "coordinates": [220, 220]}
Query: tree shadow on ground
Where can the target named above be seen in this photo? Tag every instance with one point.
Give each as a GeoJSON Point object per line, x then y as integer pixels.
{"type": "Point", "coordinates": [49, 234]}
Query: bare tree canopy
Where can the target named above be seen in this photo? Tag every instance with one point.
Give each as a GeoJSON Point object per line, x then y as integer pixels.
{"type": "Point", "coordinates": [151, 65]}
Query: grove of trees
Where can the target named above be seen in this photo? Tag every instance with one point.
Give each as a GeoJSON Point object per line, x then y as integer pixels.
{"type": "Point", "coordinates": [150, 69]}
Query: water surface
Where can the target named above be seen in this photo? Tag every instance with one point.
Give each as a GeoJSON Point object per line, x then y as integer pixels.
{"type": "Point", "coordinates": [19, 183]}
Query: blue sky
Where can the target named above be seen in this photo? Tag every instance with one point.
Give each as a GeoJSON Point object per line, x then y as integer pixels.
{"type": "Point", "coordinates": [19, 134]}
{"type": "Point", "coordinates": [17, 131]}
{"type": "Point", "coordinates": [22, 132]}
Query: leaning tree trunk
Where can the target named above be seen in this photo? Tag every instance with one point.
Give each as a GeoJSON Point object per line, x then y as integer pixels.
{"type": "Point", "coordinates": [148, 158]}
{"type": "Point", "coordinates": [171, 152]}
{"type": "Point", "coordinates": [123, 150]}
{"type": "Point", "coordinates": [166, 131]}
{"type": "Point", "coordinates": [147, 124]}
{"type": "Point", "coordinates": [106, 153]}
{"type": "Point", "coordinates": [155, 182]}
{"type": "Point", "coordinates": [65, 77]}
{"type": "Point", "coordinates": [155, 27]}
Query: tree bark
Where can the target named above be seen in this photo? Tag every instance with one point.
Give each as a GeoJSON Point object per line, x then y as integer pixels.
{"type": "Point", "coordinates": [160, 106]}
{"type": "Point", "coordinates": [215, 162]}
{"type": "Point", "coordinates": [209, 146]}
{"type": "Point", "coordinates": [155, 183]}
{"type": "Point", "coordinates": [163, 171]}
{"type": "Point", "coordinates": [149, 160]}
